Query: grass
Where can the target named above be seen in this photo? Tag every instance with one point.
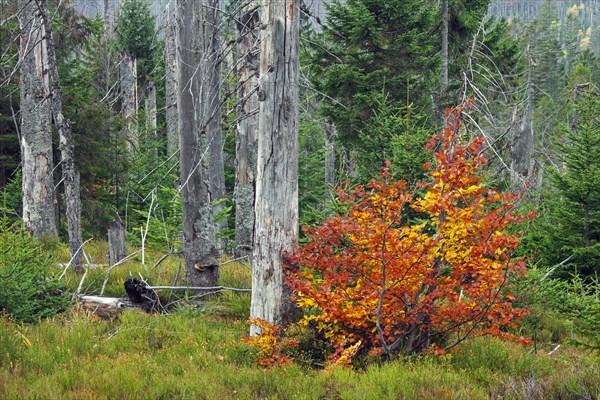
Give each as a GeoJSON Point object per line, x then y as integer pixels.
{"type": "Point", "coordinates": [195, 353]}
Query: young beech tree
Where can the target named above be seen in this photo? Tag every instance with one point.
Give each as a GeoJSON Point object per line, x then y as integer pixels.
{"type": "Point", "coordinates": [406, 270]}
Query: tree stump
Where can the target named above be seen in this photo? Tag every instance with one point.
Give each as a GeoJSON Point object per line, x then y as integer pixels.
{"type": "Point", "coordinates": [141, 296]}
{"type": "Point", "coordinates": [117, 246]}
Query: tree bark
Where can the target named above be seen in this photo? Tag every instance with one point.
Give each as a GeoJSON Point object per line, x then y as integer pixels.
{"type": "Point", "coordinates": [117, 245]}
{"type": "Point", "coordinates": [212, 118]}
{"type": "Point", "coordinates": [522, 140]}
{"type": "Point", "coordinates": [247, 128]}
{"type": "Point", "coordinates": [129, 99]}
{"type": "Point", "coordinates": [39, 207]}
{"type": "Point", "coordinates": [445, 32]}
{"type": "Point", "coordinates": [150, 108]}
{"type": "Point", "coordinates": [198, 229]}
{"type": "Point", "coordinates": [171, 86]}
{"type": "Point", "coordinates": [276, 205]}
{"type": "Point", "coordinates": [330, 179]}
{"type": "Point", "coordinates": [441, 103]}
{"type": "Point", "coordinates": [70, 172]}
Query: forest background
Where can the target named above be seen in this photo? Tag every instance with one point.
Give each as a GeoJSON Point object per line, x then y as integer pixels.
{"type": "Point", "coordinates": [375, 80]}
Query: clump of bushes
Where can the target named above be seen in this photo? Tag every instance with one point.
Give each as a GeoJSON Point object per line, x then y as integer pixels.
{"type": "Point", "coordinates": [28, 290]}
{"type": "Point", "coordinates": [407, 270]}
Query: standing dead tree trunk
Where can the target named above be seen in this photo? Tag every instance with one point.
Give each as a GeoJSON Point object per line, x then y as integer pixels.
{"type": "Point", "coordinates": [39, 207]}
{"type": "Point", "coordinates": [441, 104]}
{"type": "Point", "coordinates": [445, 32]}
{"type": "Point", "coordinates": [117, 244]}
{"type": "Point", "coordinates": [276, 205]}
{"type": "Point", "coordinates": [129, 99]}
{"type": "Point", "coordinates": [150, 109]}
{"type": "Point", "coordinates": [522, 138]}
{"type": "Point", "coordinates": [171, 86]}
{"type": "Point", "coordinates": [70, 172]}
{"type": "Point", "coordinates": [330, 178]}
{"type": "Point", "coordinates": [247, 127]}
{"type": "Point", "coordinates": [194, 153]}
{"type": "Point", "coordinates": [211, 121]}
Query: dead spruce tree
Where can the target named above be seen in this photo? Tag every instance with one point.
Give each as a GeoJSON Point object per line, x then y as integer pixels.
{"type": "Point", "coordinates": [276, 205]}
{"type": "Point", "coordinates": [70, 172]}
{"type": "Point", "coordinates": [199, 98]}
{"type": "Point", "coordinates": [39, 202]}
{"type": "Point", "coordinates": [247, 127]}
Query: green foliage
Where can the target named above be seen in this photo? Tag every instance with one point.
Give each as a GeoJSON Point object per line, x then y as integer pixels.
{"type": "Point", "coordinates": [9, 93]}
{"type": "Point", "coordinates": [561, 311]}
{"type": "Point", "coordinates": [375, 50]}
{"type": "Point", "coordinates": [224, 213]}
{"type": "Point", "coordinates": [405, 131]}
{"type": "Point", "coordinates": [143, 356]}
{"type": "Point", "coordinates": [159, 222]}
{"type": "Point", "coordinates": [570, 214]}
{"type": "Point", "coordinates": [151, 189]}
{"type": "Point", "coordinates": [546, 54]}
{"type": "Point", "coordinates": [136, 34]}
{"type": "Point", "coordinates": [464, 22]}
{"type": "Point", "coordinates": [10, 198]}
{"type": "Point", "coordinates": [100, 153]}
{"type": "Point", "coordinates": [196, 353]}
{"type": "Point", "coordinates": [509, 373]}
{"type": "Point", "coordinates": [28, 291]}
{"type": "Point", "coordinates": [311, 172]}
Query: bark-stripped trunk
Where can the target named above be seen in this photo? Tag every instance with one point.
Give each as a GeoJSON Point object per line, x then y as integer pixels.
{"type": "Point", "coordinates": [117, 242]}
{"type": "Point", "coordinates": [521, 149]}
{"type": "Point", "coordinates": [39, 208]}
{"type": "Point", "coordinates": [70, 172]}
{"type": "Point", "coordinates": [211, 99]}
{"type": "Point", "coordinates": [198, 230]}
{"type": "Point", "coordinates": [276, 210]}
{"type": "Point", "coordinates": [247, 128]}
{"type": "Point", "coordinates": [171, 87]}
{"type": "Point", "coordinates": [129, 99]}
{"type": "Point", "coordinates": [444, 77]}
{"type": "Point", "coordinates": [330, 180]}
{"type": "Point", "coordinates": [522, 141]}
{"type": "Point", "coordinates": [441, 104]}
{"type": "Point", "coordinates": [150, 108]}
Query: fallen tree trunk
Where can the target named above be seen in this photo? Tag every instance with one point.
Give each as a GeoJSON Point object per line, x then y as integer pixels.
{"type": "Point", "coordinates": [140, 297]}
{"type": "Point", "coordinates": [104, 307]}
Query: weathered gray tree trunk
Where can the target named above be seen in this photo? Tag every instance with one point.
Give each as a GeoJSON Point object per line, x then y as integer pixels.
{"type": "Point", "coordinates": [445, 32]}
{"type": "Point", "coordinates": [198, 229]}
{"type": "Point", "coordinates": [522, 140]}
{"type": "Point", "coordinates": [171, 86]}
{"type": "Point", "coordinates": [39, 207]}
{"type": "Point", "coordinates": [117, 244]}
{"type": "Point", "coordinates": [247, 127]}
{"type": "Point", "coordinates": [150, 109]}
{"type": "Point", "coordinates": [212, 118]}
{"type": "Point", "coordinates": [276, 209]}
{"type": "Point", "coordinates": [330, 179]}
{"type": "Point", "coordinates": [129, 99]}
{"type": "Point", "coordinates": [442, 99]}
{"type": "Point", "coordinates": [70, 172]}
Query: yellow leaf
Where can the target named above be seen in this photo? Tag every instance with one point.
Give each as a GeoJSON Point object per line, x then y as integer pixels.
{"type": "Point", "coordinates": [24, 338]}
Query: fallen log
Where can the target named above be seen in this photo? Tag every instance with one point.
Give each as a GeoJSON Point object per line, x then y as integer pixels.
{"type": "Point", "coordinates": [104, 307]}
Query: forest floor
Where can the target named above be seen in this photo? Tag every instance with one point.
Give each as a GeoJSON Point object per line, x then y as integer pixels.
{"type": "Point", "coordinates": [196, 352]}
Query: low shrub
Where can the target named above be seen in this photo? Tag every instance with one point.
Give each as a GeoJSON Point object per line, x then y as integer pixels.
{"type": "Point", "coordinates": [28, 291]}
{"type": "Point", "coordinates": [561, 311]}
{"type": "Point", "coordinates": [403, 270]}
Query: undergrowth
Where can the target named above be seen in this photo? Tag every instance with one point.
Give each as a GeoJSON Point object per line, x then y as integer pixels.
{"type": "Point", "coordinates": [195, 352]}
